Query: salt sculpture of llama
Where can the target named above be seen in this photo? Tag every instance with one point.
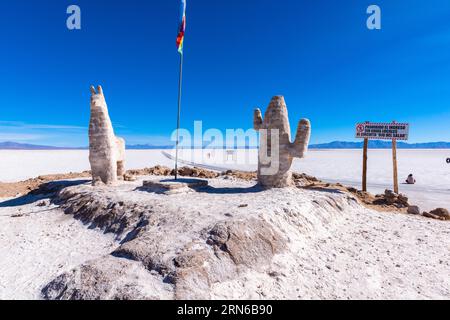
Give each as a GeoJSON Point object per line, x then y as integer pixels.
{"type": "Point", "coordinates": [275, 160]}
{"type": "Point", "coordinates": [106, 151]}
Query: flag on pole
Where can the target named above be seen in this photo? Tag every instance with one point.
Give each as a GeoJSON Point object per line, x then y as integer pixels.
{"type": "Point", "coordinates": [182, 27]}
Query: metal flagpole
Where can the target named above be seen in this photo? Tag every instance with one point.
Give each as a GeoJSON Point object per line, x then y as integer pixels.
{"type": "Point", "coordinates": [180, 84]}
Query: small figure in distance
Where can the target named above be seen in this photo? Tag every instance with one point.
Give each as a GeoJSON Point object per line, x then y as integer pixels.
{"type": "Point", "coordinates": [411, 179]}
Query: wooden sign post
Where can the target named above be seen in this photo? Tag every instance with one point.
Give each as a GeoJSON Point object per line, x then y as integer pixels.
{"type": "Point", "coordinates": [381, 131]}
{"type": "Point", "coordinates": [394, 160]}
{"type": "Point", "coordinates": [364, 178]}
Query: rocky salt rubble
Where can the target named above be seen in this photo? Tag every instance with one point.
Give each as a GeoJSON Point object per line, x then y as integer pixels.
{"type": "Point", "coordinates": [439, 214]}
{"type": "Point", "coordinates": [386, 202]}
{"type": "Point", "coordinates": [38, 185]}
{"type": "Point", "coordinates": [389, 201]}
{"type": "Point", "coordinates": [188, 243]}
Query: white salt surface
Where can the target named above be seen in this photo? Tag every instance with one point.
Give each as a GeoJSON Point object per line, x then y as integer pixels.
{"type": "Point", "coordinates": [39, 243]}
{"type": "Point", "coordinates": [364, 255]}
{"type": "Point", "coordinates": [346, 253]}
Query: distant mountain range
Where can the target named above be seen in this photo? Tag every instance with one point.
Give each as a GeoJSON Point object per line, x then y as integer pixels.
{"type": "Point", "coordinates": [379, 144]}
{"type": "Point", "coordinates": [375, 144]}
{"type": "Point", "coordinates": [25, 146]}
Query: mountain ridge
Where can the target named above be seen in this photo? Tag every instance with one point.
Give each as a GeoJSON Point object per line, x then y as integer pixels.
{"type": "Point", "coordinates": [378, 144]}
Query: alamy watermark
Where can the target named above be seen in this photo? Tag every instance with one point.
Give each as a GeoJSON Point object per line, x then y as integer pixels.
{"type": "Point", "coordinates": [374, 20]}
{"type": "Point", "coordinates": [232, 148]}
{"type": "Point", "coordinates": [73, 21]}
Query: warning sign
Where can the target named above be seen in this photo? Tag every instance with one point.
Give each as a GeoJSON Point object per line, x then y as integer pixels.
{"type": "Point", "coordinates": [383, 131]}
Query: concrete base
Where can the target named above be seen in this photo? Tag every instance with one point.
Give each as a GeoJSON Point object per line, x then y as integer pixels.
{"type": "Point", "coordinates": [171, 186]}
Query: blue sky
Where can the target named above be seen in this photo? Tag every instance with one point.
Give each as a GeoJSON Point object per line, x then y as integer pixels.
{"type": "Point", "coordinates": [238, 54]}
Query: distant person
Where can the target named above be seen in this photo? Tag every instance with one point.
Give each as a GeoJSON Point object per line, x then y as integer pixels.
{"type": "Point", "coordinates": [411, 180]}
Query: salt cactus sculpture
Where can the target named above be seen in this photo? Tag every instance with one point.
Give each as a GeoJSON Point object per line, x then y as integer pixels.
{"type": "Point", "coordinates": [276, 151]}
{"type": "Point", "coordinates": [106, 151]}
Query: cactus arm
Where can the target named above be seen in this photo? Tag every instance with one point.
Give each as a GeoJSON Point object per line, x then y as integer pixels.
{"type": "Point", "coordinates": [257, 120]}
{"type": "Point", "coordinates": [286, 137]}
{"type": "Point", "coordinates": [300, 146]}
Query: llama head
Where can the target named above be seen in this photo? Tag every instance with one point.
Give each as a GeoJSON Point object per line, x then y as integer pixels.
{"type": "Point", "coordinates": [97, 97]}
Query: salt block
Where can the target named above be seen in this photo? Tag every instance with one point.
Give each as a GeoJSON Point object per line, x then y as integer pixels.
{"type": "Point", "coordinates": [170, 186]}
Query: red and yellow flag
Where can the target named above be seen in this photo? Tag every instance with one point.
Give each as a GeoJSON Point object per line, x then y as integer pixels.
{"type": "Point", "coordinates": [182, 27]}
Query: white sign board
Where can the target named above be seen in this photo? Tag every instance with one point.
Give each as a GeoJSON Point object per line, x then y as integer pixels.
{"type": "Point", "coordinates": [382, 131]}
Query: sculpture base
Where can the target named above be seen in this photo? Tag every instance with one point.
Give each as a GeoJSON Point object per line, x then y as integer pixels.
{"type": "Point", "coordinates": [172, 186]}
{"type": "Point", "coordinates": [279, 180]}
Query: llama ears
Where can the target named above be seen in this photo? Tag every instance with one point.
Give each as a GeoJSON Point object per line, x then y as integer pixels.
{"type": "Point", "coordinates": [99, 90]}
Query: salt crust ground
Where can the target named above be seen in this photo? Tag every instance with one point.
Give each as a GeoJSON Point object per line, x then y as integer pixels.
{"type": "Point", "coordinates": [39, 244]}
{"type": "Point", "coordinates": [335, 248]}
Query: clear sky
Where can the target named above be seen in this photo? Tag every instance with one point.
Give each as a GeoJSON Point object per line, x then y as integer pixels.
{"type": "Point", "coordinates": [238, 54]}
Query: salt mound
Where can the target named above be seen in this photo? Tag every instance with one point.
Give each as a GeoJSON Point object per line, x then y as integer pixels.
{"type": "Point", "coordinates": [186, 246]}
